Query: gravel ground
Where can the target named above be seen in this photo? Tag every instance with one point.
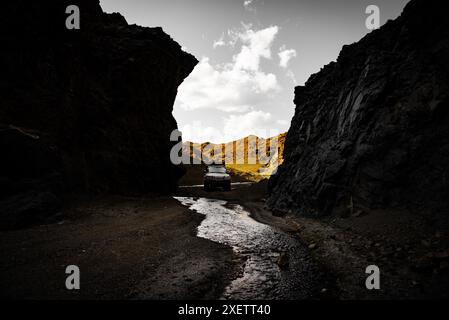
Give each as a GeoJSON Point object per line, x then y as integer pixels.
{"type": "Point", "coordinates": [126, 248]}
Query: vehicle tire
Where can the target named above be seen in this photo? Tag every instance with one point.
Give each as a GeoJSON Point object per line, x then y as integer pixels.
{"type": "Point", "coordinates": [228, 187]}
{"type": "Point", "coordinates": [206, 187]}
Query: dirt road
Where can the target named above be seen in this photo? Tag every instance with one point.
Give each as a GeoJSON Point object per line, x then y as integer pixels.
{"type": "Point", "coordinates": [228, 246]}
{"type": "Point", "coordinates": [126, 248]}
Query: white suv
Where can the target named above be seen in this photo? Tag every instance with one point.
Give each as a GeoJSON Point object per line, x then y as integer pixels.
{"type": "Point", "coordinates": [217, 176]}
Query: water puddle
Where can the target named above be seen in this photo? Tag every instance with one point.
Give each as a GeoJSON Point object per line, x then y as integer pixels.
{"type": "Point", "coordinates": [234, 184]}
{"type": "Point", "coordinates": [260, 245]}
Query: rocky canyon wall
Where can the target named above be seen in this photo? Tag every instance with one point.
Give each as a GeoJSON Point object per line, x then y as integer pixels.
{"type": "Point", "coordinates": [86, 110]}
{"type": "Point", "coordinates": [371, 130]}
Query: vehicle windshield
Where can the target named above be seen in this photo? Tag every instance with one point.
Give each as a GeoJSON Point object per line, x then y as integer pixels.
{"type": "Point", "coordinates": [216, 170]}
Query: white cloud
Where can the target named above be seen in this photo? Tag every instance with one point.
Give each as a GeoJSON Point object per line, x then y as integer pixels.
{"type": "Point", "coordinates": [285, 55]}
{"type": "Point", "coordinates": [232, 87]}
{"type": "Point", "coordinates": [198, 134]}
{"type": "Point", "coordinates": [283, 125]}
{"type": "Point", "coordinates": [235, 127]}
{"type": "Point", "coordinates": [248, 4]}
{"type": "Point", "coordinates": [219, 43]}
{"type": "Point", "coordinates": [257, 45]}
{"type": "Point", "coordinates": [223, 88]}
{"type": "Point", "coordinates": [291, 75]}
{"type": "Point", "coordinates": [283, 122]}
{"type": "Point", "coordinates": [256, 122]}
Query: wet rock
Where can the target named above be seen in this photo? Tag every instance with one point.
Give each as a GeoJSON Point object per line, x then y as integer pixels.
{"type": "Point", "coordinates": [371, 129]}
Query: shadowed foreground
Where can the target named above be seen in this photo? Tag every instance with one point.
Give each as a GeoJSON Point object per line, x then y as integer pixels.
{"type": "Point", "coordinates": [124, 247]}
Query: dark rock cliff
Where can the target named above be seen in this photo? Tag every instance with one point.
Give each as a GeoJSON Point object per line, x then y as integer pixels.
{"type": "Point", "coordinates": [371, 130]}
{"type": "Point", "coordinates": [86, 110]}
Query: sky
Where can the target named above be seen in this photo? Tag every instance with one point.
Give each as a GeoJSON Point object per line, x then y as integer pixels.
{"type": "Point", "coordinates": [252, 54]}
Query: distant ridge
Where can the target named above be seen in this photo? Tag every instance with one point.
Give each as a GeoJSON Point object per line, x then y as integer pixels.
{"type": "Point", "coordinates": [244, 155]}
